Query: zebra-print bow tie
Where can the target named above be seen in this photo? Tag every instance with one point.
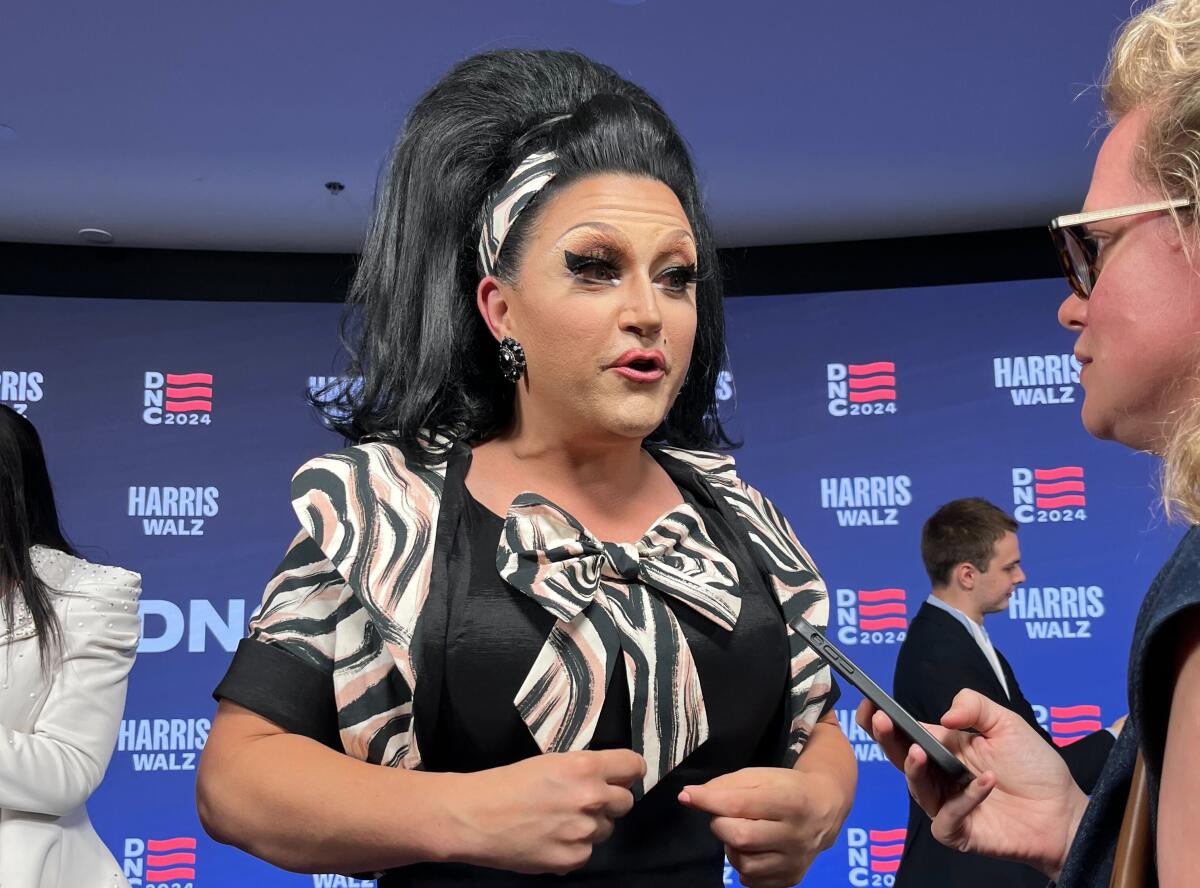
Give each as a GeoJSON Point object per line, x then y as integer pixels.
{"type": "Point", "coordinates": [607, 597]}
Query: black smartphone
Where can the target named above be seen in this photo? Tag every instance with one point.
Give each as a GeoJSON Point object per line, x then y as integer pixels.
{"type": "Point", "coordinates": [905, 723]}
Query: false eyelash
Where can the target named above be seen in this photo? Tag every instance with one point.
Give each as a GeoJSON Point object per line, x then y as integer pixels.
{"type": "Point", "coordinates": [578, 261]}
{"type": "Point", "coordinates": [693, 275]}
{"type": "Point", "coordinates": [599, 257]}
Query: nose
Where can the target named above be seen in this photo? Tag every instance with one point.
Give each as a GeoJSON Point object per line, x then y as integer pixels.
{"type": "Point", "coordinates": [1020, 578]}
{"type": "Point", "coordinates": [1072, 314]}
{"type": "Point", "coordinates": [640, 312]}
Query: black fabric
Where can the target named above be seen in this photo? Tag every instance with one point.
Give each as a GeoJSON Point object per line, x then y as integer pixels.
{"type": "Point", "coordinates": [937, 659]}
{"type": "Point", "coordinates": [703, 497]}
{"type": "Point", "coordinates": [1171, 602]}
{"type": "Point", "coordinates": [450, 569]}
{"type": "Point", "coordinates": [283, 689]}
{"type": "Point", "coordinates": [493, 638]}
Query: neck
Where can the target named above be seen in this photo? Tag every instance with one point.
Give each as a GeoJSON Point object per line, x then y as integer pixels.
{"type": "Point", "coordinates": [960, 600]}
{"type": "Point", "coordinates": [608, 469]}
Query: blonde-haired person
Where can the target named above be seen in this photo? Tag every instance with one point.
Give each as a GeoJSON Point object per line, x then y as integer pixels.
{"type": "Point", "coordinates": [1133, 261]}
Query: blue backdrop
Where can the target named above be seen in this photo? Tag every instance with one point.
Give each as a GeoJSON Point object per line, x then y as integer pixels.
{"type": "Point", "coordinates": [172, 430]}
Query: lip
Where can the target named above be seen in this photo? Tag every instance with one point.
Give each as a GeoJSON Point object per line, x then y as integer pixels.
{"type": "Point", "coordinates": [622, 366]}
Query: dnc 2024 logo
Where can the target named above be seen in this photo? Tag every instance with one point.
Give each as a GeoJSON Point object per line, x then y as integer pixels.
{"type": "Point", "coordinates": [874, 856]}
{"type": "Point", "coordinates": [1049, 495]}
{"type": "Point", "coordinates": [861, 389]}
{"type": "Point", "coordinates": [163, 863]}
{"type": "Point", "coordinates": [181, 399]}
{"type": "Point", "coordinates": [871, 616]}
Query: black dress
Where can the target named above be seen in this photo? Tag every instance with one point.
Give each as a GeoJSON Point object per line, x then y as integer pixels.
{"type": "Point", "coordinates": [493, 636]}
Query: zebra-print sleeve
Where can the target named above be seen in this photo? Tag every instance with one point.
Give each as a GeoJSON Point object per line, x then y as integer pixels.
{"type": "Point", "coordinates": [284, 670]}
{"type": "Point", "coordinates": [303, 605]}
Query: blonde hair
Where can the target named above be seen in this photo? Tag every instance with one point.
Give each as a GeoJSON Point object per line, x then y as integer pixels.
{"type": "Point", "coordinates": [1155, 65]}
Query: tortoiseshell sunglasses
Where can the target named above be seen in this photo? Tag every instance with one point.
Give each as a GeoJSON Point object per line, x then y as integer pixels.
{"type": "Point", "coordinates": [1078, 251]}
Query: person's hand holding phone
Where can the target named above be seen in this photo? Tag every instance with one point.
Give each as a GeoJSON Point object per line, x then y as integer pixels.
{"type": "Point", "coordinates": [1023, 806]}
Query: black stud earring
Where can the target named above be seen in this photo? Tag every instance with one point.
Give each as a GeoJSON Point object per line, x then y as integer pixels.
{"type": "Point", "coordinates": [512, 359]}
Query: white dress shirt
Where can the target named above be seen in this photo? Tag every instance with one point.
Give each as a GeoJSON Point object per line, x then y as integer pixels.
{"type": "Point", "coordinates": [58, 725]}
{"type": "Point", "coordinates": [979, 634]}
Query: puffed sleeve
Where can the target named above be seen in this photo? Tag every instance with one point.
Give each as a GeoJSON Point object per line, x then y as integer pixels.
{"type": "Point", "coordinates": [801, 591]}
{"type": "Point", "coordinates": [283, 670]}
{"type": "Point", "coordinates": [54, 768]}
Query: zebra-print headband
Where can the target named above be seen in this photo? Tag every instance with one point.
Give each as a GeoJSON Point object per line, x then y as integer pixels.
{"type": "Point", "coordinates": [499, 215]}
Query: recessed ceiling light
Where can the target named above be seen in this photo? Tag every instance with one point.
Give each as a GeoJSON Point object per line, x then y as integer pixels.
{"type": "Point", "coordinates": [95, 236]}
{"type": "Point", "coordinates": [7, 133]}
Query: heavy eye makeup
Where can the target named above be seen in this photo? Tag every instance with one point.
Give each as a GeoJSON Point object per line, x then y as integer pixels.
{"type": "Point", "coordinates": [595, 265]}
{"type": "Point", "coordinates": [601, 265]}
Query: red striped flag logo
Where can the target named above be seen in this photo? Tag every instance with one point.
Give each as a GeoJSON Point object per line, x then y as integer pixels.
{"type": "Point", "coordinates": [189, 392]}
{"type": "Point", "coordinates": [867, 389]}
{"type": "Point", "coordinates": [885, 850]}
{"type": "Point", "coordinates": [880, 609]}
{"type": "Point", "coordinates": [164, 862]}
{"type": "Point", "coordinates": [1069, 724]}
{"type": "Point", "coordinates": [170, 859]}
{"type": "Point", "coordinates": [177, 398]}
{"type": "Point", "coordinates": [873, 855]}
{"type": "Point", "coordinates": [872, 382]}
{"type": "Point", "coordinates": [1051, 494]}
{"type": "Point", "coordinates": [1059, 488]}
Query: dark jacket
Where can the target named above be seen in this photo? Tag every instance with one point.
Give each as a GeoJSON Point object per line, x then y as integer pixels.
{"type": "Point", "coordinates": [1171, 601]}
{"type": "Point", "coordinates": [937, 660]}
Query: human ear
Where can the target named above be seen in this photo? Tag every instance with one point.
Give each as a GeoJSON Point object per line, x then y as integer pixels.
{"type": "Point", "coordinates": [491, 298]}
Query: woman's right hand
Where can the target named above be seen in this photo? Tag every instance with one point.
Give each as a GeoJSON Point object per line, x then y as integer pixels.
{"type": "Point", "coordinates": [1023, 804]}
{"type": "Point", "coordinates": [543, 814]}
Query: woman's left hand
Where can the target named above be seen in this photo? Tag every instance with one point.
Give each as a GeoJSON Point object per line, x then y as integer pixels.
{"type": "Point", "coordinates": [773, 821]}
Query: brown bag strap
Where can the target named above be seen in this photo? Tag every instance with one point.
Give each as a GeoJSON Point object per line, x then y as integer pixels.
{"type": "Point", "coordinates": [1135, 847]}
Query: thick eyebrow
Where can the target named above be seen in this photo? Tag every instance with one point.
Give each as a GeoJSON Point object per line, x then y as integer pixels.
{"type": "Point", "coordinates": [680, 234]}
{"type": "Point", "coordinates": [682, 239]}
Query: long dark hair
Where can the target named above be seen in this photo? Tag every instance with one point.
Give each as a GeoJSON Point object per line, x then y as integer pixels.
{"type": "Point", "coordinates": [421, 357]}
{"type": "Point", "coordinates": [28, 517]}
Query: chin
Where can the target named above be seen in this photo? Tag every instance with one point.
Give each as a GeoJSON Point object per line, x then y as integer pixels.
{"type": "Point", "coordinates": [1095, 423]}
{"type": "Point", "coordinates": [635, 423]}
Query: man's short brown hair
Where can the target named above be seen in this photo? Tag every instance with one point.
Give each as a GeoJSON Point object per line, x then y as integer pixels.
{"type": "Point", "coordinates": [962, 531]}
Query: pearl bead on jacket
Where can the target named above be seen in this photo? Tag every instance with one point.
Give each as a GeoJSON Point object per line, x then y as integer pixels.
{"type": "Point", "coordinates": [58, 724]}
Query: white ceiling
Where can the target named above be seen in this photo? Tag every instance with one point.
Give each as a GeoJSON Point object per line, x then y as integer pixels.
{"type": "Point", "coordinates": [214, 125]}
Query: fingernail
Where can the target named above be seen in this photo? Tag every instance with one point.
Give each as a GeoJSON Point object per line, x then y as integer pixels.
{"type": "Point", "coordinates": [685, 798]}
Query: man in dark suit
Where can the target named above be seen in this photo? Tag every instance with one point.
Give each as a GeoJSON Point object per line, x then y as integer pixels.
{"type": "Point", "coordinates": [971, 554]}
